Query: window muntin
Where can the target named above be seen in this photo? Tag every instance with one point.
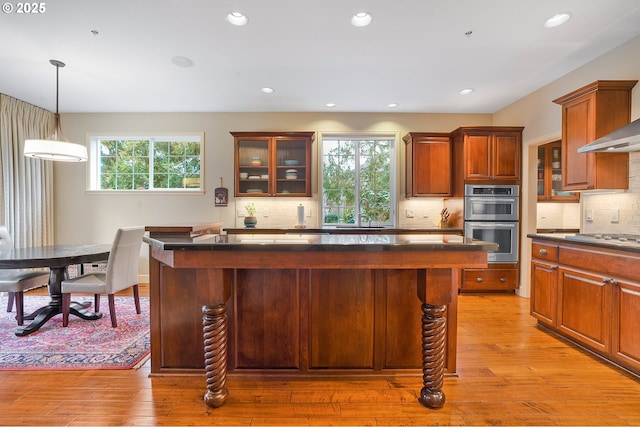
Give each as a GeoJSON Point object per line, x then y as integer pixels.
{"type": "Point", "coordinates": [155, 163]}
{"type": "Point", "coordinates": [358, 180]}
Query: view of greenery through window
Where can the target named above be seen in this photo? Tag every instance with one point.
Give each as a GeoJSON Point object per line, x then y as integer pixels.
{"type": "Point", "coordinates": [148, 163]}
{"type": "Point", "coordinates": [357, 181]}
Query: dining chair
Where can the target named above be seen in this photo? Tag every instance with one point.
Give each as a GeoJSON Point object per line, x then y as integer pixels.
{"type": "Point", "coordinates": [17, 281]}
{"type": "Point", "coordinates": [121, 273]}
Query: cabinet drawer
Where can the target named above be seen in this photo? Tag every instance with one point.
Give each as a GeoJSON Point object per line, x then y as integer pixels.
{"type": "Point", "coordinates": [544, 251]}
{"type": "Point", "coordinates": [489, 279]}
{"type": "Point", "coordinates": [602, 261]}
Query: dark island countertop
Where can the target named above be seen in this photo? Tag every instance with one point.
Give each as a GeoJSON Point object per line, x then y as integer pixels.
{"type": "Point", "coordinates": [630, 246]}
{"type": "Point", "coordinates": [342, 230]}
{"type": "Point", "coordinates": [321, 242]}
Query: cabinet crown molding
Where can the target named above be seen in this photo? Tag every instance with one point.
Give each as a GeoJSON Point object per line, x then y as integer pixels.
{"type": "Point", "coordinates": [596, 86]}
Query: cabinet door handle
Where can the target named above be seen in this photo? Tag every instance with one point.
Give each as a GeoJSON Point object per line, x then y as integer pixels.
{"type": "Point", "coordinates": [614, 282]}
{"type": "Point", "coordinates": [543, 252]}
{"type": "Point", "coordinates": [502, 280]}
{"type": "Point", "coordinates": [606, 281]}
{"type": "Point", "coordinates": [479, 279]}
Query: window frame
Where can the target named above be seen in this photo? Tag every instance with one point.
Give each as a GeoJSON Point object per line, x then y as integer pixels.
{"type": "Point", "coordinates": [93, 163]}
{"type": "Point", "coordinates": [393, 172]}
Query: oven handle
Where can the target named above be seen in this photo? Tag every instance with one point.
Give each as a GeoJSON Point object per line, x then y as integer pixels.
{"type": "Point", "coordinates": [492, 199]}
{"type": "Point", "coordinates": [492, 224]}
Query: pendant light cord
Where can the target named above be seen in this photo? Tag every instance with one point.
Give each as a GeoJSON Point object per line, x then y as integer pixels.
{"type": "Point", "coordinates": [57, 133]}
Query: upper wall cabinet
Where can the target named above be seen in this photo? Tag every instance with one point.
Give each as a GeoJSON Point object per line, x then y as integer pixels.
{"type": "Point", "coordinates": [273, 164]}
{"type": "Point", "coordinates": [587, 114]}
{"type": "Point", "coordinates": [428, 164]}
{"type": "Point", "coordinates": [489, 153]}
{"type": "Point", "coordinates": [550, 175]}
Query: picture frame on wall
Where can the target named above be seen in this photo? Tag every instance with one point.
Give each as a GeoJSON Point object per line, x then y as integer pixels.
{"type": "Point", "coordinates": [221, 195]}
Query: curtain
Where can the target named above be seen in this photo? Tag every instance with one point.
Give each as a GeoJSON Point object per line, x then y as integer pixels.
{"type": "Point", "coordinates": [27, 184]}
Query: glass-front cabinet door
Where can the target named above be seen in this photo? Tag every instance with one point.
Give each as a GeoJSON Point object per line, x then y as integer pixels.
{"type": "Point", "coordinates": [550, 175]}
{"type": "Point", "coordinates": [273, 164]}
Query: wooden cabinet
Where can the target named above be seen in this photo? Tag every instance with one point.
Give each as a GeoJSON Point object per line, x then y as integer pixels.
{"type": "Point", "coordinates": [489, 153]}
{"type": "Point", "coordinates": [544, 283]}
{"type": "Point", "coordinates": [587, 114]}
{"type": "Point", "coordinates": [273, 164]}
{"type": "Point", "coordinates": [550, 175]}
{"type": "Point", "coordinates": [589, 295]}
{"type": "Point", "coordinates": [625, 339]}
{"type": "Point", "coordinates": [584, 308]}
{"type": "Point", "coordinates": [429, 164]}
{"type": "Point", "coordinates": [497, 277]}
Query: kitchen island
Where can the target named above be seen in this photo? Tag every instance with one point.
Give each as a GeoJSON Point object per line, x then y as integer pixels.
{"type": "Point", "coordinates": [306, 305]}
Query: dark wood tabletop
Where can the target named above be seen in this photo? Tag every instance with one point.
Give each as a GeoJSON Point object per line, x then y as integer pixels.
{"type": "Point", "coordinates": [54, 256]}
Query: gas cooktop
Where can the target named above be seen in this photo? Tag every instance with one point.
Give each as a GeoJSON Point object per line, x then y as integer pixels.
{"type": "Point", "coordinates": [610, 238]}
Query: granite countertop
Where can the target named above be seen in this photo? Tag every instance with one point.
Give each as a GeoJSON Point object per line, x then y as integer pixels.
{"type": "Point", "coordinates": [322, 242]}
{"type": "Point", "coordinates": [342, 230]}
{"type": "Point", "coordinates": [600, 243]}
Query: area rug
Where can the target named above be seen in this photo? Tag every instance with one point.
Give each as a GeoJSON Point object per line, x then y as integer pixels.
{"type": "Point", "coordinates": [83, 344]}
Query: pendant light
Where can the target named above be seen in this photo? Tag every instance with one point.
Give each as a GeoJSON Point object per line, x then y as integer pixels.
{"type": "Point", "coordinates": [55, 148]}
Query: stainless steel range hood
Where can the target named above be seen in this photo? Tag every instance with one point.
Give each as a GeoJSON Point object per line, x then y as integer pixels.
{"type": "Point", "coordinates": [625, 139]}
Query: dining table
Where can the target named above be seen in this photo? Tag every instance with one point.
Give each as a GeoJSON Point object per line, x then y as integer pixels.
{"type": "Point", "coordinates": [57, 258]}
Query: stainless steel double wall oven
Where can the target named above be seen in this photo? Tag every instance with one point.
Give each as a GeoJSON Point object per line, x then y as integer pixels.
{"type": "Point", "coordinates": [491, 214]}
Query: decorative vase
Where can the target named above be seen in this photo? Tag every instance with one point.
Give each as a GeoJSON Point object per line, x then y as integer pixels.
{"type": "Point", "coordinates": [250, 221]}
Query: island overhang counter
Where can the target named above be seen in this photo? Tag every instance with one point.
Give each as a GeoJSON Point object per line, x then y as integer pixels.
{"type": "Point", "coordinates": [307, 305]}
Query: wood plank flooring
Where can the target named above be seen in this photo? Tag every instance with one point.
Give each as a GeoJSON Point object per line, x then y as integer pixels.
{"type": "Point", "coordinates": [509, 373]}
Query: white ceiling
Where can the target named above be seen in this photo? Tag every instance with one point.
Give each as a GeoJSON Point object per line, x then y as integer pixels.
{"type": "Point", "coordinates": [414, 53]}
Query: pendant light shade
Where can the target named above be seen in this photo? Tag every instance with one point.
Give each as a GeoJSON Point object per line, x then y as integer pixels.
{"type": "Point", "coordinates": [55, 148]}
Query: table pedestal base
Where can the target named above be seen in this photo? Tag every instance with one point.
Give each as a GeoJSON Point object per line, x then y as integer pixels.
{"type": "Point", "coordinates": [43, 314]}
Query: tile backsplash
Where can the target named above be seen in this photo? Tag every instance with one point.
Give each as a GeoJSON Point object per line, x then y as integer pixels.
{"type": "Point", "coordinates": [280, 213]}
{"type": "Point", "coordinates": [425, 212]}
{"type": "Point", "coordinates": [412, 213]}
{"type": "Point", "coordinates": [558, 215]}
{"type": "Point", "coordinates": [615, 212]}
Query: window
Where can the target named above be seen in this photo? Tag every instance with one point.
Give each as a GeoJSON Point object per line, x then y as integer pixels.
{"type": "Point", "coordinates": [358, 180]}
{"type": "Point", "coordinates": [129, 162]}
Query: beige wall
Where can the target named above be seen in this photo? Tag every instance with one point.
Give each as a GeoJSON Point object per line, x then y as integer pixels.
{"type": "Point", "coordinates": [542, 120]}
{"type": "Point", "coordinates": [82, 216]}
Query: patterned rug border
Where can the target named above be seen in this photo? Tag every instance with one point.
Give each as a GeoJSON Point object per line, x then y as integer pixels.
{"type": "Point", "coordinates": [97, 339]}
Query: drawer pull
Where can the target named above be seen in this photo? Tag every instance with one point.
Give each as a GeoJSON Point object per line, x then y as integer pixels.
{"type": "Point", "coordinates": [479, 279]}
{"type": "Point", "coordinates": [543, 252]}
{"type": "Point", "coordinates": [502, 280]}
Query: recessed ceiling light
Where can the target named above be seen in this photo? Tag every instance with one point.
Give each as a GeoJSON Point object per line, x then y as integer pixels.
{"type": "Point", "coordinates": [556, 20]}
{"type": "Point", "coordinates": [237, 18]}
{"type": "Point", "coordinates": [466, 91]}
{"type": "Point", "coordinates": [361, 19]}
{"type": "Point", "coordinates": [330, 105]}
{"type": "Point", "coordinates": [182, 61]}
{"type": "Point", "coordinates": [267, 90]}
{"type": "Point", "coordinates": [393, 105]}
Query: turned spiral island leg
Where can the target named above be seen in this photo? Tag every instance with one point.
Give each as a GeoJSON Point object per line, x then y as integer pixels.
{"type": "Point", "coordinates": [434, 329]}
{"type": "Point", "coordinates": [214, 326]}
{"type": "Point", "coordinates": [437, 288]}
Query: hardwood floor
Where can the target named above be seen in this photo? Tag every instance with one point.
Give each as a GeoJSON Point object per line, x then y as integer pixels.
{"type": "Point", "coordinates": [509, 373]}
